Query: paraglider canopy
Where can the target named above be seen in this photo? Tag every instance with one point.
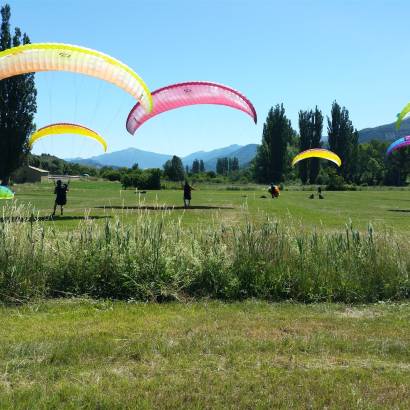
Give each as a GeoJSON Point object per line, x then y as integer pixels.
{"type": "Point", "coordinates": [6, 193]}
{"type": "Point", "coordinates": [401, 115]}
{"type": "Point", "coordinates": [398, 144]}
{"type": "Point", "coordinates": [35, 57]}
{"type": "Point", "coordinates": [317, 153]}
{"type": "Point", "coordinates": [66, 128]}
{"type": "Point", "coordinates": [189, 93]}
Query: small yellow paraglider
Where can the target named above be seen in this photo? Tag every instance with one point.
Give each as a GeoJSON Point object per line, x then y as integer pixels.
{"type": "Point", "coordinates": [66, 128]}
{"type": "Point", "coordinates": [317, 153]}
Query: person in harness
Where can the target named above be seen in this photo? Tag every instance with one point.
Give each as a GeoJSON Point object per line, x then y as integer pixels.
{"type": "Point", "coordinates": [274, 190]}
{"type": "Point", "coordinates": [187, 194]}
{"type": "Point", "coordinates": [60, 192]}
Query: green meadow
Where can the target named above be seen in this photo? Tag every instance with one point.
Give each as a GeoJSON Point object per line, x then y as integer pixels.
{"type": "Point", "coordinates": [384, 209]}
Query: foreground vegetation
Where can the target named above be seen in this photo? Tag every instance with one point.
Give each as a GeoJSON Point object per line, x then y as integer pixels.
{"type": "Point", "coordinates": [94, 354]}
{"type": "Point", "coordinates": [159, 258]}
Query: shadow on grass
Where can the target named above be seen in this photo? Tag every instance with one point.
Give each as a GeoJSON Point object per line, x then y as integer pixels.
{"type": "Point", "coordinates": [51, 218]}
{"type": "Point", "coordinates": [163, 207]}
{"type": "Point", "coordinates": [399, 210]}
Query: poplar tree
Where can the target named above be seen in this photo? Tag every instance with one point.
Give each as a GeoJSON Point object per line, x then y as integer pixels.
{"type": "Point", "coordinates": [17, 105]}
{"type": "Point", "coordinates": [315, 142]}
{"type": "Point", "coordinates": [305, 132]}
{"type": "Point", "coordinates": [271, 157]}
{"type": "Point", "coordinates": [343, 140]}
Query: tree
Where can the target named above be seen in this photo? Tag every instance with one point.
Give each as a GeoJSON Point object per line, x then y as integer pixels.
{"type": "Point", "coordinates": [235, 164]}
{"type": "Point", "coordinates": [17, 106]}
{"type": "Point", "coordinates": [195, 167]}
{"type": "Point", "coordinates": [201, 166]}
{"type": "Point", "coordinates": [315, 142]}
{"type": "Point", "coordinates": [305, 132]}
{"type": "Point", "coordinates": [398, 167]}
{"type": "Point", "coordinates": [343, 140]}
{"type": "Point", "coordinates": [271, 157]}
{"type": "Point", "coordinates": [222, 166]}
{"type": "Point", "coordinates": [174, 170]}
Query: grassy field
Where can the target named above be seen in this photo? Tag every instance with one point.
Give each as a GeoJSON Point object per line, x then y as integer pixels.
{"type": "Point", "coordinates": [385, 209]}
{"type": "Point", "coordinates": [89, 354]}
{"type": "Point", "coordinates": [83, 353]}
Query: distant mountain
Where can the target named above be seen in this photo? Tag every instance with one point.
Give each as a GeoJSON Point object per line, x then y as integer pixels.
{"type": "Point", "coordinates": [127, 158]}
{"type": "Point", "coordinates": [385, 132]}
{"type": "Point", "coordinates": [244, 154]}
{"type": "Point", "coordinates": [146, 159]}
{"type": "Point", "coordinates": [209, 155]}
{"type": "Point", "coordinates": [86, 162]}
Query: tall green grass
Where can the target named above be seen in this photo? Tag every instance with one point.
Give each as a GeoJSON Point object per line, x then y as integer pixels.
{"type": "Point", "coordinates": [154, 258]}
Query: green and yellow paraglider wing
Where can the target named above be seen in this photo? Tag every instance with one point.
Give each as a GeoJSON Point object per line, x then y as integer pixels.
{"type": "Point", "coordinates": [401, 115]}
{"type": "Point", "coordinates": [36, 57]}
{"type": "Point", "coordinates": [66, 128]}
{"type": "Point", "coordinates": [6, 193]}
{"type": "Point", "coordinates": [317, 153]}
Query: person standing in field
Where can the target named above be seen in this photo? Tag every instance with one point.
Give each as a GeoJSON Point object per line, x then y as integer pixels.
{"type": "Point", "coordinates": [187, 194]}
{"type": "Point", "coordinates": [60, 192]}
{"type": "Point", "coordinates": [273, 190]}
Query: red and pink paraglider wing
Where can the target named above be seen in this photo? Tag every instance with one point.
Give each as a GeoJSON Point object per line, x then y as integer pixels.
{"type": "Point", "coordinates": [189, 93]}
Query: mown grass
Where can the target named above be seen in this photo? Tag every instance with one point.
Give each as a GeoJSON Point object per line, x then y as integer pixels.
{"type": "Point", "coordinates": [384, 209]}
{"type": "Point", "coordinates": [156, 258]}
{"type": "Point", "coordinates": [109, 355]}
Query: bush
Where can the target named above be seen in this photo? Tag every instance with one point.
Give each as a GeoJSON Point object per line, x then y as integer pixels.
{"type": "Point", "coordinates": [336, 182]}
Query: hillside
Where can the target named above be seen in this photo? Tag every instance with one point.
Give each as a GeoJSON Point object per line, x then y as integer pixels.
{"type": "Point", "coordinates": [127, 158]}
{"type": "Point", "coordinates": [207, 156]}
{"type": "Point", "coordinates": [244, 154]}
{"type": "Point", "coordinates": [146, 159]}
{"type": "Point", "coordinates": [385, 132]}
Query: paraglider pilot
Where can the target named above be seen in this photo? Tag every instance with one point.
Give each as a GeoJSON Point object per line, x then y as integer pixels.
{"type": "Point", "coordinates": [187, 194]}
{"type": "Point", "coordinates": [60, 191]}
{"type": "Point", "coordinates": [273, 190]}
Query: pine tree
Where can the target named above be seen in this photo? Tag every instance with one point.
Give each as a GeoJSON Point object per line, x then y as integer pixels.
{"type": "Point", "coordinates": [271, 158]}
{"type": "Point", "coordinates": [201, 166]}
{"type": "Point", "coordinates": [17, 106]}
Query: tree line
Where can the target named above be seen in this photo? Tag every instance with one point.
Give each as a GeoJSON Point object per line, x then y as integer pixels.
{"type": "Point", "coordinates": [362, 164]}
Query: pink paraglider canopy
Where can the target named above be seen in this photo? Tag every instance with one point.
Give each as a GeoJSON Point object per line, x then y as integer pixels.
{"type": "Point", "coordinates": [189, 93]}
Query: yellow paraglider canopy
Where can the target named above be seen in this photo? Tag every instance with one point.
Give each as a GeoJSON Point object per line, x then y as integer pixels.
{"type": "Point", "coordinates": [35, 57]}
{"type": "Point", "coordinates": [317, 153]}
{"type": "Point", "coordinates": [66, 128]}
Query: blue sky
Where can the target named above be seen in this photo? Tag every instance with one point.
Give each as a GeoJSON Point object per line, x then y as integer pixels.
{"type": "Point", "coordinates": [301, 53]}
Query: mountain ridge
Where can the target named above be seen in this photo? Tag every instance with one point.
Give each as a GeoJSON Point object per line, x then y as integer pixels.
{"type": "Point", "coordinates": [245, 153]}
